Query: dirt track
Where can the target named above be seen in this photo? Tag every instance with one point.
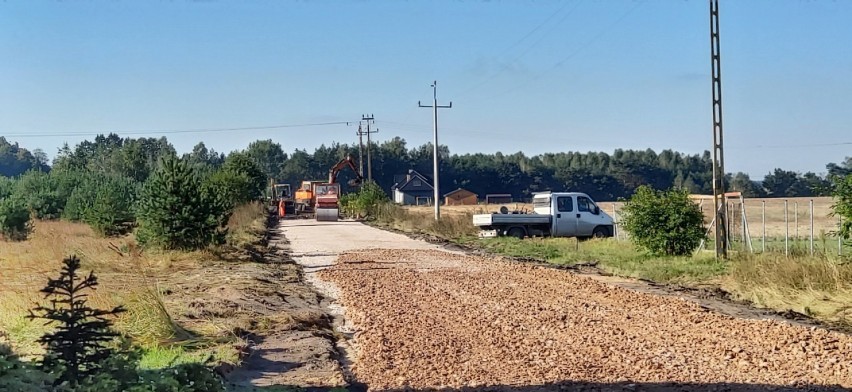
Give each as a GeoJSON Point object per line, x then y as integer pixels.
{"type": "Point", "coordinates": [429, 319]}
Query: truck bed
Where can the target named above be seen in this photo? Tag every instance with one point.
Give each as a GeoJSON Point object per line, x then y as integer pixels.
{"type": "Point", "coordinates": [482, 220]}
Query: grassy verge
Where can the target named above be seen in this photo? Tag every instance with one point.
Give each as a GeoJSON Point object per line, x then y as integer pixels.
{"type": "Point", "coordinates": [818, 286]}
{"type": "Point", "coordinates": [618, 258]}
{"type": "Point", "coordinates": [246, 225]}
{"type": "Point", "coordinates": [451, 227]}
{"type": "Point", "coordinates": [137, 279]}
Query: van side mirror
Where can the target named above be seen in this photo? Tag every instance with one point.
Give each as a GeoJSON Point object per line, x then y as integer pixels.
{"type": "Point", "coordinates": [597, 210]}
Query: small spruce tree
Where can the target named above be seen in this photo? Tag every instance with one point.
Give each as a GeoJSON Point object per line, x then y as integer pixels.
{"type": "Point", "coordinates": [14, 219]}
{"type": "Point", "coordinates": [176, 210]}
{"type": "Point", "coordinates": [78, 345]}
{"type": "Point", "coordinates": [103, 201]}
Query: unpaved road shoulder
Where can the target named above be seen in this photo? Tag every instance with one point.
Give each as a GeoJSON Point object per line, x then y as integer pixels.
{"type": "Point", "coordinates": [291, 339]}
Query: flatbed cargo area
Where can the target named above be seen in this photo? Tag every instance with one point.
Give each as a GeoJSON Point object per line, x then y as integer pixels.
{"type": "Point", "coordinates": [482, 220]}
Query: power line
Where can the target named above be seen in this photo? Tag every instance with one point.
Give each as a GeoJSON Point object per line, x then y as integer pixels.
{"type": "Point", "coordinates": [795, 145]}
{"type": "Point", "coordinates": [174, 131]}
{"type": "Point", "coordinates": [571, 55]}
{"type": "Point", "coordinates": [505, 66]}
{"type": "Point", "coordinates": [468, 132]}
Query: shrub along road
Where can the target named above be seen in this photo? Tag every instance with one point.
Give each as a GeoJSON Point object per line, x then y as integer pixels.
{"type": "Point", "coordinates": [426, 319]}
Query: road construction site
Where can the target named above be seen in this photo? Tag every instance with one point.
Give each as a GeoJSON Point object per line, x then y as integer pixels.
{"type": "Point", "coordinates": [416, 316]}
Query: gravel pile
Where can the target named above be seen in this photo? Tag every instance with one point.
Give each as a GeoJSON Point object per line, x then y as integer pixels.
{"type": "Point", "coordinates": [431, 319]}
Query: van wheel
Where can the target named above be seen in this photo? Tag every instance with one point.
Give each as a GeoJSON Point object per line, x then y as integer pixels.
{"type": "Point", "coordinates": [600, 232]}
{"type": "Point", "coordinates": [516, 232]}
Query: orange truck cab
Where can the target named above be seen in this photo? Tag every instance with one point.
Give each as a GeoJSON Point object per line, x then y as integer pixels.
{"type": "Point", "coordinates": [306, 196]}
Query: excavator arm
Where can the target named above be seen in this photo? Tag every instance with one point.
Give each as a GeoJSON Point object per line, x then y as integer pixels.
{"type": "Point", "coordinates": [344, 163]}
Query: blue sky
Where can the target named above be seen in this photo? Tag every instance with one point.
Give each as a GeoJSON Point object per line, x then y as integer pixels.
{"type": "Point", "coordinates": [531, 76]}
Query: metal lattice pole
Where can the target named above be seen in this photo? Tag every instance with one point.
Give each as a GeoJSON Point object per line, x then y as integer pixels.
{"type": "Point", "coordinates": [796, 220]}
{"type": "Point", "coordinates": [615, 223]}
{"type": "Point", "coordinates": [812, 226]}
{"type": "Point", "coordinates": [763, 213]}
{"type": "Point", "coordinates": [721, 232]}
{"type": "Point", "coordinates": [786, 230]}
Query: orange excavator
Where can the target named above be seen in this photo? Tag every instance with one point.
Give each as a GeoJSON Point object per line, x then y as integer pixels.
{"type": "Point", "coordinates": [325, 197]}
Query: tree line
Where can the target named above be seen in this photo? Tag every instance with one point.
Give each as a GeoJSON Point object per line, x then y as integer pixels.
{"type": "Point", "coordinates": [125, 163]}
{"type": "Point", "coordinates": [604, 176]}
{"type": "Point", "coordinates": [118, 185]}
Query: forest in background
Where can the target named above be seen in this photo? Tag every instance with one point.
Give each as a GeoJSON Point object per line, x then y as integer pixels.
{"type": "Point", "coordinates": [604, 176]}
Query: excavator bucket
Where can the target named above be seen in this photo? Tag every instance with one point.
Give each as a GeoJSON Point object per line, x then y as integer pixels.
{"type": "Point", "coordinates": [327, 214]}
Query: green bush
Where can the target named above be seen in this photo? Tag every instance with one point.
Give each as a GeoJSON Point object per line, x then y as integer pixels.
{"type": "Point", "coordinates": [14, 218]}
{"type": "Point", "coordinates": [66, 181]}
{"type": "Point", "coordinates": [177, 212]}
{"type": "Point", "coordinates": [7, 186]}
{"type": "Point", "coordinates": [240, 163]}
{"type": "Point", "coordinates": [16, 375]}
{"type": "Point", "coordinates": [104, 202]}
{"type": "Point", "coordinates": [365, 202]}
{"type": "Point", "coordinates": [41, 195]}
{"type": "Point", "coordinates": [664, 222]}
{"type": "Point", "coordinates": [233, 188]}
{"type": "Point", "coordinates": [119, 373]}
{"type": "Point", "coordinates": [843, 203]}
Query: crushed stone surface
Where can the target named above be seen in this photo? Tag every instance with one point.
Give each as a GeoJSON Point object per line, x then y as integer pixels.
{"type": "Point", "coordinates": [429, 319]}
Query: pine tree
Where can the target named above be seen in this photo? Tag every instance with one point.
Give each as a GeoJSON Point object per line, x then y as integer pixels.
{"type": "Point", "coordinates": [240, 163]}
{"type": "Point", "coordinates": [177, 212]}
{"type": "Point", "coordinates": [78, 345]}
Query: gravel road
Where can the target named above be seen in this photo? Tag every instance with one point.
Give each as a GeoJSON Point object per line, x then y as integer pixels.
{"type": "Point", "coordinates": [428, 319]}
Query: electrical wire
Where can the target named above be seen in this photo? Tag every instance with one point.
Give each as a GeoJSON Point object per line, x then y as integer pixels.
{"type": "Point", "coordinates": [175, 131]}
{"type": "Point", "coordinates": [467, 133]}
{"type": "Point", "coordinates": [571, 55]}
{"type": "Point", "coordinates": [505, 66]}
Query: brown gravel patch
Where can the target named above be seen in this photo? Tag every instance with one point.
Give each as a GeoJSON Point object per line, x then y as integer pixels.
{"type": "Point", "coordinates": [431, 319]}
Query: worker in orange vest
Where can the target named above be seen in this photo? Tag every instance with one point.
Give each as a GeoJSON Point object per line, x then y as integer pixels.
{"type": "Point", "coordinates": [281, 211]}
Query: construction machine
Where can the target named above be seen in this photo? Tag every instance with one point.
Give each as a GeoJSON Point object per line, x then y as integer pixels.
{"type": "Point", "coordinates": [306, 196]}
{"type": "Point", "coordinates": [281, 198]}
{"type": "Point", "coordinates": [327, 195]}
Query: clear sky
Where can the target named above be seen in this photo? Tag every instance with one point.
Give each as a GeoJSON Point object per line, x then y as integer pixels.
{"type": "Point", "coordinates": [531, 76]}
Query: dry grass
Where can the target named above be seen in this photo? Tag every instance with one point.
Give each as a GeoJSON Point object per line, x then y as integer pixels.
{"type": "Point", "coordinates": [127, 275]}
{"type": "Point", "coordinates": [815, 286]}
{"type": "Point", "coordinates": [246, 224]}
{"type": "Point", "coordinates": [418, 220]}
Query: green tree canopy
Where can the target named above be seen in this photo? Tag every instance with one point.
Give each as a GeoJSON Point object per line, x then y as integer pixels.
{"type": "Point", "coordinates": [15, 160]}
{"type": "Point", "coordinates": [268, 156]}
